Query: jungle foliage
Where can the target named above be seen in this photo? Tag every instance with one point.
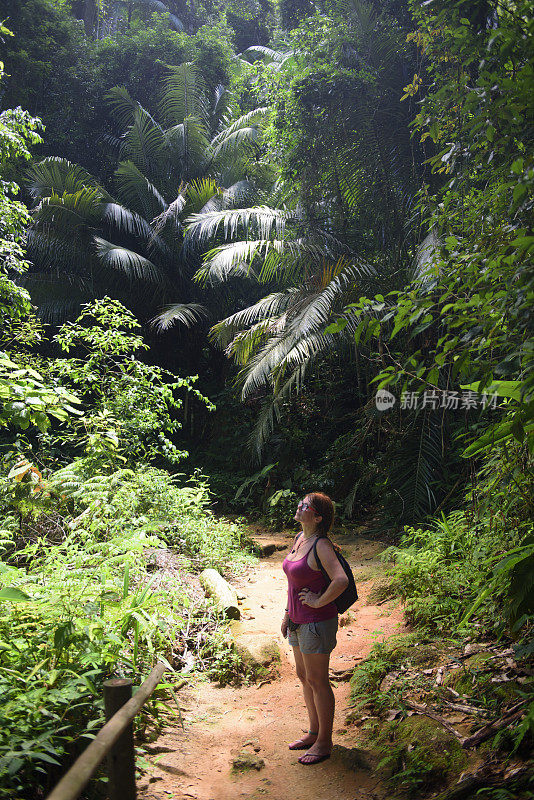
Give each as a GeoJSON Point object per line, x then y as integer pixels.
{"type": "Point", "coordinates": [284, 208]}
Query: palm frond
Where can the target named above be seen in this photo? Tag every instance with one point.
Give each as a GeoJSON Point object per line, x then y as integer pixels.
{"type": "Point", "coordinates": [263, 220]}
{"type": "Point", "coordinates": [425, 269]}
{"type": "Point", "coordinates": [121, 105]}
{"type": "Point", "coordinates": [144, 142]}
{"type": "Point", "coordinates": [353, 177]}
{"type": "Point", "coordinates": [71, 211]}
{"type": "Point", "coordinates": [246, 129]}
{"type": "Point", "coordinates": [171, 215]}
{"type": "Point", "coordinates": [246, 343]}
{"type": "Point", "coordinates": [236, 142]}
{"type": "Point", "coordinates": [239, 193]}
{"type": "Point", "coordinates": [231, 260]}
{"type": "Point", "coordinates": [271, 306]}
{"type": "Point", "coordinates": [183, 313]}
{"type": "Point", "coordinates": [137, 191]}
{"type": "Point", "coordinates": [127, 261]}
{"type": "Point", "coordinates": [313, 309]}
{"type": "Point", "coordinates": [199, 192]}
{"type": "Point", "coordinates": [58, 176]}
{"type": "Point", "coordinates": [270, 414]}
{"type": "Point", "coordinates": [184, 95]}
{"type": "Point", "coordinates": [58, 296]}
{"type": "Point", "coordinates": [304, 350]}
{"type": "Point", "coordinates": [126, 221]}
{"type": "Point", "coordinates": [418, 468]}
{"type": "Point", "coordinates": [189, 145]}
{"type": "Point", "coordinates": [196, 145]}
{"type": "Point", "coordinates": [259, 52]}
{"type": "Point", "coordinates": [265, 423]}
{"type": "Point", "coordinates": [162, 8]}
{"type": "Point", "coordinates": [49, 252]}
{"type": "Point", "coordinates": [220, 107]}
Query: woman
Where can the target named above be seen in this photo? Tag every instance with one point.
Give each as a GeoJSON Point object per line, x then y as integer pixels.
{"type": "Point", "coordinates": [313, 614]}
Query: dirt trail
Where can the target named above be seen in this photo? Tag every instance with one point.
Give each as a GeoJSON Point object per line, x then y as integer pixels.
{"type": "Point", "coordinates": [196, 762]}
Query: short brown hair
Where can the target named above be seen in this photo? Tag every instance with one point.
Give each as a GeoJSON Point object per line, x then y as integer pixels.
{"type": "Point", "coordinates": [324, 507]}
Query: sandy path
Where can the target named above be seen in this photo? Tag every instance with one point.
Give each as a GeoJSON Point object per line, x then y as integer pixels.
{"type": "Point", "coordinates": [196, 762]}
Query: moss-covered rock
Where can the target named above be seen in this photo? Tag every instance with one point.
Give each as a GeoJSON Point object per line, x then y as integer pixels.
{"type": "Point", "coordinates": [260, 654]}
{"type": "Point", "coordinates": [418, 754]}
{"type": "Point", "coordinates": [246, 761]}
{"type": "Point", "coordinates": [398, 651]}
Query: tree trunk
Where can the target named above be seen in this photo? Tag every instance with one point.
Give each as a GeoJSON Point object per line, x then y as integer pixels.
{"type": "Point", "coordinates": [220, 590]}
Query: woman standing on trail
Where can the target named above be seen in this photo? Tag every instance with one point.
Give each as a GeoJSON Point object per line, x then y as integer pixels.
{"type": "Point", "coordinates": [310, 621]}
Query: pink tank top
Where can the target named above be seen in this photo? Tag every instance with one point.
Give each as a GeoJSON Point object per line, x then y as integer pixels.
{"type": "Point", "coordinates": [300, 575]}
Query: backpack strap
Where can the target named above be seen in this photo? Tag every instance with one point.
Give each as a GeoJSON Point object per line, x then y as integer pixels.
{"type": "Point", "coordinates": [318, 560]}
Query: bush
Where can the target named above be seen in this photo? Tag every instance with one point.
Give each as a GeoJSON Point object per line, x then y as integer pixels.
{"type": "Point", "coordinates": [440, 570]}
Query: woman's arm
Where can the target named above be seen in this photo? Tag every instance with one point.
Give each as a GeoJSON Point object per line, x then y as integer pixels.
{"type": "Point", "coordinates": [336, 573]}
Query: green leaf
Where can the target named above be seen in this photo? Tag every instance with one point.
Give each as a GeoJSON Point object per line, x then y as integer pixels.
{"type": "Point", "coordinates": [500, 388]}
{"type": "Point", "coordinates": [12, 595]}
{"type": "Point", "coordinates": [519, 191]}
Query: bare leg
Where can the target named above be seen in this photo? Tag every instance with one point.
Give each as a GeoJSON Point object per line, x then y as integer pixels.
{"type": "Point", "coordinates": [317, 677]}
{"type": "Point", "coordinates": [308, 699]}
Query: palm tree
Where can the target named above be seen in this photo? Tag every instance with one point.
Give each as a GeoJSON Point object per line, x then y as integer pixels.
{"type": "Point", "coordinates": [87, 241]}
{"type": "Point", "coordinates": [276, 340]}
{"type": "Point", "coordinates": [341, 232]}
{"type": "Point", "coordinates": [347, 230]}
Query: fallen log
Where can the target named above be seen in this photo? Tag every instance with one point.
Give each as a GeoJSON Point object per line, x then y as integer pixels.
{"type": "Point", "coordinates": [488, 730]}
{"type": "Point", "coordinates": [342, 674]}
{"type": "Point", "coordinates": [467, 709]}
{"type": "Point", "coordinates": [220, 590]}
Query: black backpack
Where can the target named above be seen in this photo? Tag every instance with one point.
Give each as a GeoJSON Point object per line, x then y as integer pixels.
{"type": "Point", "coordinates": [350, 595]}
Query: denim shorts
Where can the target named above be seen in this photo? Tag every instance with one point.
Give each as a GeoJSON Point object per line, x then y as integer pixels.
{"type": "Point", "coordinates": [314, 637]}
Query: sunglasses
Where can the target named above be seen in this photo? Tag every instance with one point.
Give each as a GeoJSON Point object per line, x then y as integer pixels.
{"type": "Point", "coordinates": [302, 506]}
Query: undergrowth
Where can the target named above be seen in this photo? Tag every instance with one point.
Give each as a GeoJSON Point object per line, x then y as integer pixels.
{"type": "Point", "coordinates": [467, 581]}
{"type": "Point", "coordinates": [80, 606]}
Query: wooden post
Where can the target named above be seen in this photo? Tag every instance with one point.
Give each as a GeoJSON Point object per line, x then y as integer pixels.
{"type": "Point", "coordinates": [74, 781]}
{"type": "Point", "coordinates": [121, 757]}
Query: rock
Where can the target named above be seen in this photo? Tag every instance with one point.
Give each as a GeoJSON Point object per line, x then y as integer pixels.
{"type": "Point", "coordinates": [254, 743]}
{"type": "Point", "coordinates": [388, 681]}
{"type": "Point", "coordinates": [259, 652]}
{"type": "Point", "coordinates": [265, 549]}
{"type": "Point", "coordinates": [352, 758]}
{"type": "Point", "coordinates": [170, 768]}
{"type": "Point", "coordinates": [282, 546]}
{"type": "Point", "coordinates": [248, 761]}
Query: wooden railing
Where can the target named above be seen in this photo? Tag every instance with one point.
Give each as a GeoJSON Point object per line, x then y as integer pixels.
{"type": "Point", "coordinates": [115, 740]}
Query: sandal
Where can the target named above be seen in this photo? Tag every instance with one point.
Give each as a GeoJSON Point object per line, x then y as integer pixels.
{"type": "Point", "coordinates": [313, 759]}
{"type": "Point", "coordinates": [300, 744]}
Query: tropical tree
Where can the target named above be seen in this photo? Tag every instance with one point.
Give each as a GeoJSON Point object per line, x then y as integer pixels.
{"type": "Point", "coordinates": [345, 219]}
{"type": "Point", "coordinates": [128, 242]}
